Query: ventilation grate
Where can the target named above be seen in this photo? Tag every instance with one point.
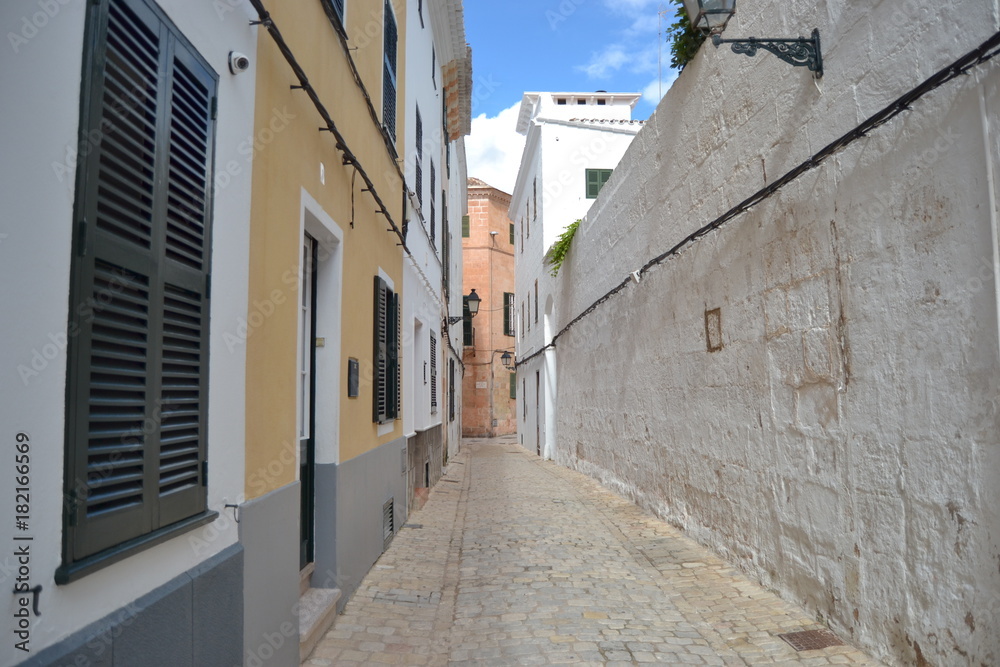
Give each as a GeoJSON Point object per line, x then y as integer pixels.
{"type": "Point", "coordinates": [388, 524]}
{"type": "Point", "coordinates": [811, 640]}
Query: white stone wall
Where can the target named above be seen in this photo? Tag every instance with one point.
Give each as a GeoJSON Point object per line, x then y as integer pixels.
{"type": "Point", "coordinates": [842, 445]}
{"type": "Point", "coordinates": [43, 63]}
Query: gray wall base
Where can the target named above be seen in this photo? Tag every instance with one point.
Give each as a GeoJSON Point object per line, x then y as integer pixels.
{"type": "Point", "coordinates": [269, 531]}
{"type": "Point", "coordinates": [192, 620]}
{"type": "Point", "coordinates": [349, 501]}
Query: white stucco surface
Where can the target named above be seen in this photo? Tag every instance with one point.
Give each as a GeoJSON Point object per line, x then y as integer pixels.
{"type": "Point", "coordinates": [39, 132]}
{"type": "Point", "coordinates": [842, 446]}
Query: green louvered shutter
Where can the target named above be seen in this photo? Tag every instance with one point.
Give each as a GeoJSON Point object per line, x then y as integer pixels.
{"type": "Point", "coordinates": [138, 354]}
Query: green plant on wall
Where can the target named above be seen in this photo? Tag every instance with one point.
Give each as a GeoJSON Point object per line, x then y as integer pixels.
{"type": "Point", "coordinates": [557, 253]}
{"type": "Point", "coordinates": [684, 39]}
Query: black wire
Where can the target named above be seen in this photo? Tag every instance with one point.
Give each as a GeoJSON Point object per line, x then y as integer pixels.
{"type": "Point", "coordinates": [983, 53]}
{"type": "Point", "coordinates": [349, 157]}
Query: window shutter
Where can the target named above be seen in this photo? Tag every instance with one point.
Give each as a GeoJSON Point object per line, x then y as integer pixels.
{"type": "Point", "coordinates": [466, 323]}
{"type": "Point", "coordinates": [512, 233]}
{"type": "Point", "coordinates": [434, 372]}
{"type": "Point", "coordinates": [433, 199]}
{"type": "Point", "coordinates": [418, 133]}
{"type": "Point", "coordinates": [451, 390]}
{"type": "Point", "coordinates": [395, 345]}
{"type": "Point", "coordinates": [593, 183]}
{"type": "Point", "coordinates": [465, 226]}
{"type": "Point", "coordinates": [137, 384]}
{"type": "Point", "coordinates": [380, 356]}
{"type": "Point", "coordinates": [390, 36]}
{"type": "Point", "coordinates": [513, 385]}
{"type": "Point", "coordinates": [508, 314]}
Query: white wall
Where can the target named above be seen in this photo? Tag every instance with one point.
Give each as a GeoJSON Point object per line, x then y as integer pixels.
{"type": "Point", "coordinates": [422, 271]}
{"type": "Point", "coordinates": [842, 446]}
{"type": "Point", "coordinates": [552, 177]}
{"type": "Point", "coordinates": [37, 188]}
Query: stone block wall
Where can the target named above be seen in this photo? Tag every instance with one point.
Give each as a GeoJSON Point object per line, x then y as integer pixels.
{"type": "Point", "coordinates": [811, 389]}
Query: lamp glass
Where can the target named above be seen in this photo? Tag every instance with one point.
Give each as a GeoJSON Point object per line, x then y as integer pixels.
{"type": "Point", "coordinates": [473, 301]}
{"type": "Point", "coordinates": [505, 359]}
{"type": "Point", "coordinates": [710, 15]}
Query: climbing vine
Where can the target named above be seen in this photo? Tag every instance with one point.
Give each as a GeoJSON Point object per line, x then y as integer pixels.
{"type": "Point", "coordinates": [557, 253]}
{"type": "Point", "coordinates": [684, 39]}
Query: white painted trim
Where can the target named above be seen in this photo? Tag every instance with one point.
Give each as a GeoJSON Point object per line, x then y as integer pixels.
{"type": "Point", "coordinates": [329, 324]}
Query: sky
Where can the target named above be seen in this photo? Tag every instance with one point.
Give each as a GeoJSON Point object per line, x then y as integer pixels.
{"type": "Point", "coordinates": [559, 46]}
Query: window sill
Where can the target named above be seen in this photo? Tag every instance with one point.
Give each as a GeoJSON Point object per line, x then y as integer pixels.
{"type": "Point", "coordinates": [66, 574]}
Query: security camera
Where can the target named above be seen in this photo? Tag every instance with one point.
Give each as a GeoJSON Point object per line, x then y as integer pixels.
{"type": "Point", "coordinates": [238, 62]}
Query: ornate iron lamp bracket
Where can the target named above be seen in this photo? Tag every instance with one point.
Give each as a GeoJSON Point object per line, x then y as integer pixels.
{"type": "Point", "coordinates": [801, 52]}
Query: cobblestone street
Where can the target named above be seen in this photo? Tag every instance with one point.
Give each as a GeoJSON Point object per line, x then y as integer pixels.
{"type": "Point", "coordinates": [517, 561]}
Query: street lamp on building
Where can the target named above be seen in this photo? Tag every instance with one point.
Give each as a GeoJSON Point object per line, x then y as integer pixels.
{"type": "Point", "coordinates": [712, 16]}
{"type": "Point", "coordinates": [472, 303]}
{"type": "Point", "coordinates": [506, 360]}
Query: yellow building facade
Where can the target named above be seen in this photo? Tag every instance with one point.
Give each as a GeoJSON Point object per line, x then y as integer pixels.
{"type": "Point", "coordinates": [324, 442]}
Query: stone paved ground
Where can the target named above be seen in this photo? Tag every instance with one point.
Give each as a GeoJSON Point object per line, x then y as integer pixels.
{"type": "Point", "coordinates": [517, 561]}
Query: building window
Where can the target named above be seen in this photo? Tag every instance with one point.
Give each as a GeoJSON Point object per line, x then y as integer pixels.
{"type": "Point", "coordinates": [386, 354]}
{"type": "Point", "coordinates": [527, 218]}
{"type": "Point", "coordinates": [536, 302]}
{"type": "Point", "coordinates": [524, 393]}
{"type": "Point", "coordinates": [433, 200]}
{"type": "Point", "coordinates": [137, 380]}
{"type": "Point", "coordinates": [468, 333]}
{"type": "Point", "coordinates": [508, 314]}
{"type": "Point", "coordinates": [512, 233]}
{"type": "Point", "coordinates": [596, 178]}
{"type": "Point", "coordinates": [601, 101]}
{"type": "Point", "coordinates": [534, 197]}
{"type": "Point", "coordinates": [390, 38]}
{"type": "Point", "coordinates": [513, 386]}
{"type": "Point", "coordinates": [434, 374]}
{"type": "Point", "coordinates": [465, 226]}
{"type": "Point", "coordinates": [560, 100]}
{"type": "Point", "coordinates": [418, 180]}
{"type": "Point", "coordinates": [529, 311]}
{"type": "Point", "coordinates": [451, 390]}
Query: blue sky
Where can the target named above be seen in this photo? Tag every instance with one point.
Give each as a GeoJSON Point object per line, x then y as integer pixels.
{"type": "Point", "coordinates": [556, 45]}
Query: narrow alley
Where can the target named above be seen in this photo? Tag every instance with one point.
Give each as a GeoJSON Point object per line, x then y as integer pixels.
{"type": "Point", "coordinates": [517, 561]}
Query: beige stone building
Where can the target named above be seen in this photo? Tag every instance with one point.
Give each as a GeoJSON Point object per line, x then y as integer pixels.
{"type": "Point", "coordinates": [489, 403]}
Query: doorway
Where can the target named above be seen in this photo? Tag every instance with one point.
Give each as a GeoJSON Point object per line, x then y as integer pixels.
{"type": "Point", "coordinates": [538, 413]}
{"type": "Point", "coordinates": [307, 402]}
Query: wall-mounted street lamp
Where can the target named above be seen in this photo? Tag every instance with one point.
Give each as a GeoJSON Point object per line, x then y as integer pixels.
{"type": "Point", "coordinates": [507, 360]}
{"type": "Point", "coordinates": [472, 301]}
{"type": "Point", "coordinates": [713, 15]}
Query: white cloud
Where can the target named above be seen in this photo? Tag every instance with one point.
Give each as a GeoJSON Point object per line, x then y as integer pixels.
{"type": "Point", "coordinates": [493, 149]}
{"type": "Point", "coordinates": [602, 65]}
{"type": "Point", "coordinates": [654, 92]}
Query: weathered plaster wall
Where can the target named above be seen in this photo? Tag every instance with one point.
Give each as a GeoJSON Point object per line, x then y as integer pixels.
{"type": "Point", "coordinates": [842, 444]}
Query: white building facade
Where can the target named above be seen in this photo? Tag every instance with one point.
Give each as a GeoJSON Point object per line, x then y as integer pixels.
{"type": "Point", "coordinates": [574, 142]}
{"type": "Point", "coordinates": [437, 117]}
{"type": "Point", "coordinates": [123, 268]}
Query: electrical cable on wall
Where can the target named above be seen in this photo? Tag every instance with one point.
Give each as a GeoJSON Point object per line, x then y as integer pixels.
{"type": "Point", "coordinates": [982, 54]}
